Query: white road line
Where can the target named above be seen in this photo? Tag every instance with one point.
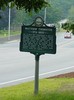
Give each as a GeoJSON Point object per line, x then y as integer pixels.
{"type": "Point", "coordinates": [58, 70]}
{"type": "Point", "coordinates": [21, 79]}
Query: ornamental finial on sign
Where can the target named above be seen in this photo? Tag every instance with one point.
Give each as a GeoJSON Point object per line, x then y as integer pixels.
{"type": "Point", "coordinates": [39, 21]}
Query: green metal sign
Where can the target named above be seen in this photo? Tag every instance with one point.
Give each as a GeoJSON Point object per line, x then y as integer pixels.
{"type": "Point", "coordinates": [38, 38]}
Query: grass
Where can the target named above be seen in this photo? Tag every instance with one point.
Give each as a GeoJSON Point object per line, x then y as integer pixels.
{"type": "Point", "coordinates": [49, 89]}
{"type": "Point", "coordinates": [4, 33]}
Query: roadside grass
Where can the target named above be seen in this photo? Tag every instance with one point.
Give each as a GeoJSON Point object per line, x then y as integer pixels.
{"type": "Point", "coordinates": [4, 33]}
{"type": "Point", "coordinates": [49, 89]}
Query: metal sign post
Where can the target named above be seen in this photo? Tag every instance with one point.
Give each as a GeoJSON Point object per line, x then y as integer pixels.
{"type": "Point", "coordinates": [38, 39]}
{"type": "Point", "coordinates": [36, 74]}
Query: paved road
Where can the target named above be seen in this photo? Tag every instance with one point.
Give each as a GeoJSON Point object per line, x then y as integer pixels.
{"type": "Point", "coordinates": [12, 37]}
{"type": "Point", "coordinates": [16, 66]}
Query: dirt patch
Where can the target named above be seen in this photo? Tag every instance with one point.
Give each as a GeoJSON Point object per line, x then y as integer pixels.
{"type": "Point", "coordinates": [66, 75]}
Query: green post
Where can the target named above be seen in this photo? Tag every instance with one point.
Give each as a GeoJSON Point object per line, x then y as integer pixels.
{"type": "Point", "coordinates": [36, 73]}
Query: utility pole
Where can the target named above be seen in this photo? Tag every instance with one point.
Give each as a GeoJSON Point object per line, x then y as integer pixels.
{"type": "Point", "coordinates": [45, 15]}
{"type": "Point", "coordinates": [9, 15]}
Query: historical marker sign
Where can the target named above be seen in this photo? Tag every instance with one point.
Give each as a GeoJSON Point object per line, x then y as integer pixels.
{"type": "Point", "coordinates": [38, 38]}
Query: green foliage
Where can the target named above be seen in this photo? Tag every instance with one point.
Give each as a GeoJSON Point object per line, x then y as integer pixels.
{"type": "Point", "coordinates": [69, 27]}
{"type": "Point", "coordinates": [72, 28]}
{"type": "Point", "coordinates": [53, 15]}
{"type": "Point", "coordinates": [63, 6]}
{"type": "Point", "coordinates": [70, 24]}
{"type": "Point", "coordinates": [71, 14]}
{"type": "Point", "coordinates": [71, 19]}
{"type": "Point", "coordinates": [66, 26]}
{"type": "Point", "coordinates": [4, 33]}
{"type": "Point", "coordinates": [28, 5]}
{"type": "Point", "coordinates": [57, 11]}
{"type": "Point", "coordinates": [4, 18]}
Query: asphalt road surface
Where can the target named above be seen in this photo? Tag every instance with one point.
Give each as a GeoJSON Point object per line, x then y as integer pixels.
{"type": "Point", "coordinates": [17, 67]}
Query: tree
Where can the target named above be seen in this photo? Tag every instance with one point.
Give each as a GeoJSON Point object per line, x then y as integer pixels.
{"type": "Point", "coordinates": [4, 18]}
{"type": "Point", "coordinates": [68, 26]}
{"type": "Point", "coordinates": [71, 19]}
{"type": "Point", "coordinates": [70, 23]}
{"type": "Point", "coordinates": [28, 5]}
{"type": "Point", "coordinates": [53, 15]}
{"type": "Point", "coordinates": [63, 6]}
{"type": "Point", "coordinates": [71, 14]}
